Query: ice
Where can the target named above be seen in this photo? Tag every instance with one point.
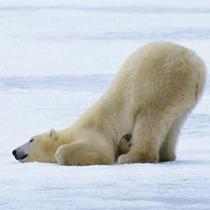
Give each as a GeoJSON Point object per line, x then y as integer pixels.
{"type": "Point", "coordinates": [83, 37]}
{"type": "Point", "coordinates": [57, 58]}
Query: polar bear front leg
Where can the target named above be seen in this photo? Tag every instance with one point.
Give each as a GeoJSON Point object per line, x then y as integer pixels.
{"type": "Point", "coordinates": [83, 153]}
{"type": "Point", "coordinates": [146, 138]}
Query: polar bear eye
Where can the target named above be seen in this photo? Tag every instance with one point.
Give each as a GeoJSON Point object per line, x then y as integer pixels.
{"type": "Point", "coordinates": [31, 140]}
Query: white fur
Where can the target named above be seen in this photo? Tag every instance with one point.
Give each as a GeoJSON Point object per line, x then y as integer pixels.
{"type": "Point", "coordinates": [152, 94]}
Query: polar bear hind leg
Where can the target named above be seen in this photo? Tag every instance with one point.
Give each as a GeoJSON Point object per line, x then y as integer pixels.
{"type": "Point", "coordinates": [168, 147]}
{"type": "Point", "coordinates": [146, 139]}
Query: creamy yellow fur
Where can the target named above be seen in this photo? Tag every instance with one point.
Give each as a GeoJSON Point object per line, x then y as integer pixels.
{"type": "Point", "coordinates": [150, 98]}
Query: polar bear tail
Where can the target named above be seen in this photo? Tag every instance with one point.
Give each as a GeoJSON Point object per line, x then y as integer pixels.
{"type": "Point", "coordinates": [201, 79]}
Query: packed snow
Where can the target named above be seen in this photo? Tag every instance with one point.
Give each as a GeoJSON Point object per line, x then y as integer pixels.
{"type": "Point", "coordinates": [57, 58]}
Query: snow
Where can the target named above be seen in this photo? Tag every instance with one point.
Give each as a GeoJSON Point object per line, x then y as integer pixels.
{"type": "Point", "coordinates": [57, 58]}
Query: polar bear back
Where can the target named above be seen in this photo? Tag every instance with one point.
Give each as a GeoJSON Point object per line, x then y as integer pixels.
{"type": "Point", "coordinates": [158, 72]}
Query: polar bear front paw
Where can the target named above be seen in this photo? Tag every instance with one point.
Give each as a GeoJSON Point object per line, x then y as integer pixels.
{"type": "Point", "coordinates": [60, 155]}
{"type": "Point", "coordinates": [124, 144]}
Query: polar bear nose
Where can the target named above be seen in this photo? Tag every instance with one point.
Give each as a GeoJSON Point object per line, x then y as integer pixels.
{"type": "Point", "coordinates": [19, 156]}
{"type": "Point", "coordinates": [14, 152]}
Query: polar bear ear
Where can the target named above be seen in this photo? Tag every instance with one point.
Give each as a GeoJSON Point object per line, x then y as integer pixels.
{"type": "Point", "coordinates": [53, 135]}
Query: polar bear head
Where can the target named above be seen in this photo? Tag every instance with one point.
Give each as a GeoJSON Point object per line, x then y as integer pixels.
{"type": "Point", "coordinates": [40, 148]}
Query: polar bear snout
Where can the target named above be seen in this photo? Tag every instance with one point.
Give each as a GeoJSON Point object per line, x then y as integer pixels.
{"type": "Point", "coordinates": [19, 155]}
{"type": "Point", "coordinates": [22, 152]}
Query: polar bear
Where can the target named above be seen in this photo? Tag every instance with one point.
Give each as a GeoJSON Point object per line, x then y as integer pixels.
{"type": "Point", "coordinates": [149, 99]}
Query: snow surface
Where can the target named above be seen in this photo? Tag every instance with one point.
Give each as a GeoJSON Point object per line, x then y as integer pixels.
{"type": "Point", "coordinates": [57, 58]}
